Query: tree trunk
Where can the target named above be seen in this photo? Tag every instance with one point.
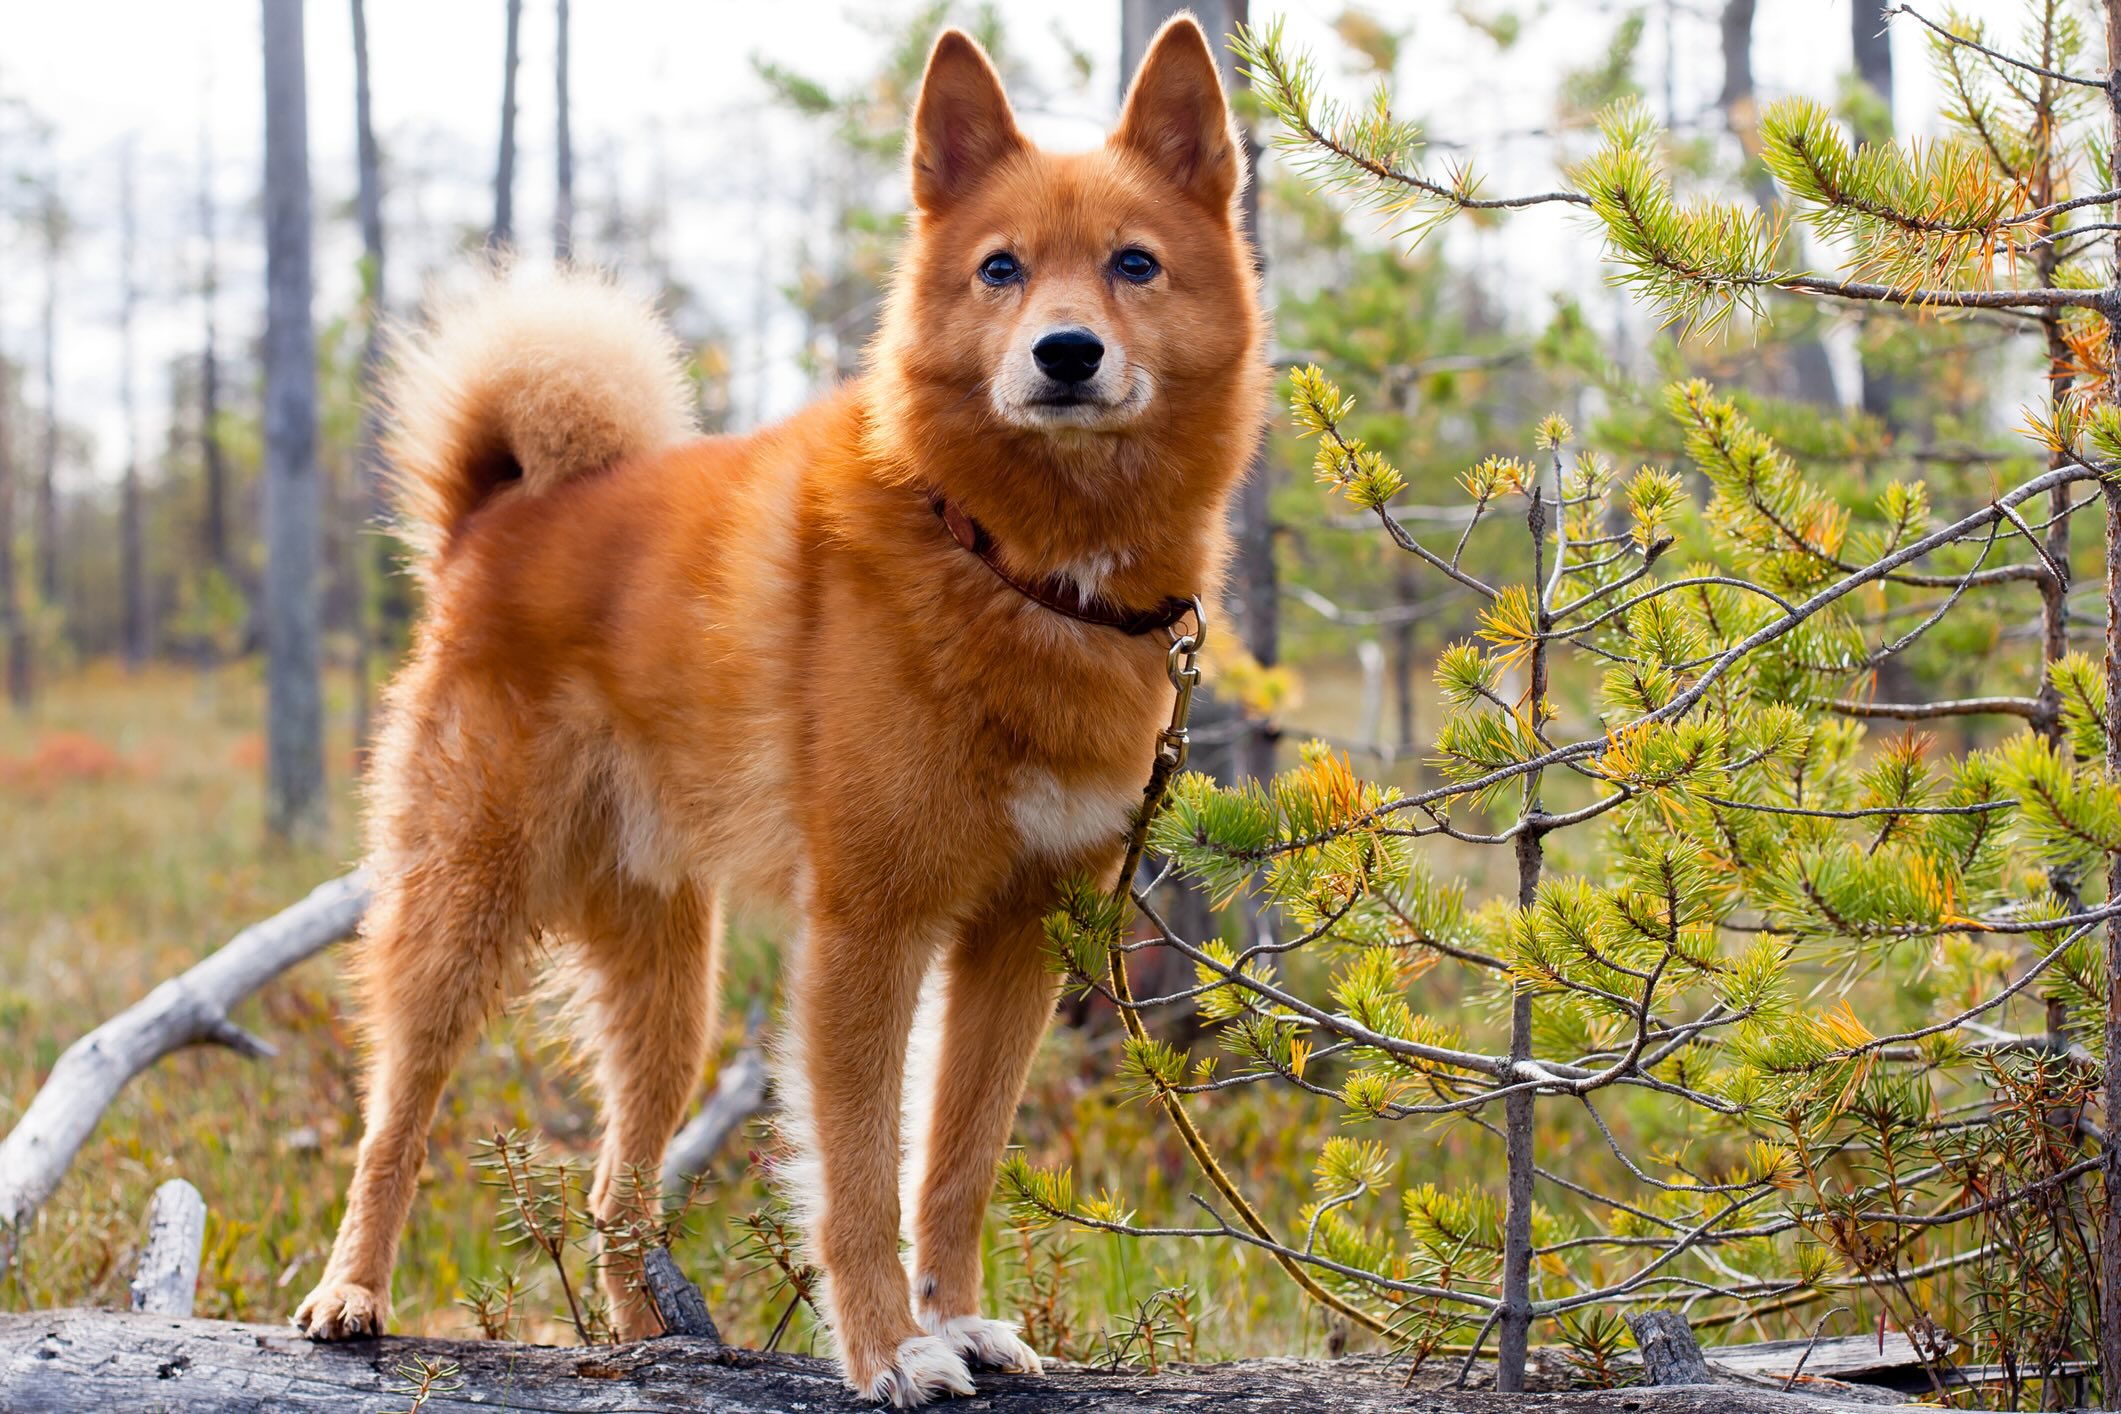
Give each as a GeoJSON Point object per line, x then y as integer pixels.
{"type": "Point", "coordinates": [504, 178]}
{"type": "Point", "coordinates": [1873, 46]}
{"type": "Point", "coordinates": [1406, 677]}
{"type": "Point", "coordinates": [1254, 593]}
{"type": "Point", "coordinates": [294, 731]}
{"type": "Point", "coordinates": [1736, 27]}
{"type": "Point", "coordinates": [563, 148]}
{"type": "Point", "coordinates": [1873, 50]}
{"type": "Point", "coordinates": [1514, 1315]}
{"type": "Point", "coordinates": [1249, 602]}
{"type": "Point", "coordinates": [14, 624]}
{"type": "Point", "coordinates": [371, 553]}
{"type": "Point", "coordinates": [2109, 1276]}
{"type": "Point", "coordinates": [54, 222]}
{"type": "Point", "coordinates": [214, 534]}
{"type": "Point", "coordinates": [1811, 373]}
{"type": "Point", "coordinates": [132, 548]}
{"type": "Point", "coordinates": [2110, 1168]}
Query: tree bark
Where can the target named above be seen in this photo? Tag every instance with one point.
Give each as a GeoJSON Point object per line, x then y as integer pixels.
{"type": "Point", "coordinates": [89, 1362]}
{"type": "Point", "coordinates": [1513, 1334]}
{"type": "Point", "coordinates": [677, 1300]}
{"type": "Point", "coordinates": [371, 553]}
{"type": "Point", "coordinates": [1872, 47]}
{"type": "Point", "coordinates": [132, 548]}
{"type": "Point", "coordinates": [294, 730]}
{"type": "Point", "coordinates": [563, 150]}
{"type": "Point", "coordinates": [1405, 675]}
{"type": "Point", "coordinates": [1811, 372]}
{"type": "Point", "coordinates": [14, 624]}
{"type": "Point", "coordinates": [190, 1008]}
{"type": "Point", "coordinates": [2110, 1168]}
{"type": "Point", "coordinates": [214, 532]}
{"type": "Point", "coordinates": [53, 220]}
{"type": "Point", "coordinates": [1254, 592]}
{"type": "Point", "coordinates": [1670, 1354]}
{"type": "Point", "coordinates": [504, 178]}
{"type": "Point", "coordinates": [168, 1275]}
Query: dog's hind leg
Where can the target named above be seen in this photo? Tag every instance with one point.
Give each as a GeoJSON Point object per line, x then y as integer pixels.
{"type": "Point", "coordinates": [440, 945]}
{"type": "Point", "coordinates": [649, 1012]}
{"type": "Point", "coordinates": [1000, 996]}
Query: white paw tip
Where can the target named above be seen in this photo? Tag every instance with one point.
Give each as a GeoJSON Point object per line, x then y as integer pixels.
{"type": "Point", "coordinates": [925, 1368]}
{"type": "Point", "coordinates": [985, 1344]}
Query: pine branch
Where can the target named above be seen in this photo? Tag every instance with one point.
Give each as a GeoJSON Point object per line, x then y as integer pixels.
{"type": "Point", "coordinates": [1685, 701]}
{"type": "Point", "coordinates": [1373, 147]}
{"type": "Point", "coordinates": [2024, 980]}
{"type": "Point", "coordinates": [1966, 42]}
{"type": "Point", "coordinates": [2026, 707]}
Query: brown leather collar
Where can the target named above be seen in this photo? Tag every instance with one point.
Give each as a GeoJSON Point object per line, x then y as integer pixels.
{"type": "Point", "coordinates": [1062, 595]}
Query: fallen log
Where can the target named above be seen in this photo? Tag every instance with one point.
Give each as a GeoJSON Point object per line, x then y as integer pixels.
{"type": "Point", "coordinates": [186, 1010]}
{"type": "Point", "coordinates": [77, 1361]}
{"type": "Point", "coordinates": [1889, 1361]}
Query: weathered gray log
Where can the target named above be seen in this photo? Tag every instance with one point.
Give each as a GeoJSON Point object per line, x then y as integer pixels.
{"type": "Point", "coordinates": [739, 1093]}
{"type": "Point", "coordinates": [677, 1300]}
{"type": "Point", "coordinates": [1889, 1361]}
{"type": "Point", "coordinates": [1670, 1354]}
{"type": "Point", "coordinates": [186, 1010]}
{"type": "Point", "coordinates": [75, 1362]}
{"type": "Point", "coordinates": [168, 1275]}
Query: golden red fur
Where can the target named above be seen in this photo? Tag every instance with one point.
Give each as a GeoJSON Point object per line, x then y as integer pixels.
{"type": "Point", "coordinates": [657, 673]}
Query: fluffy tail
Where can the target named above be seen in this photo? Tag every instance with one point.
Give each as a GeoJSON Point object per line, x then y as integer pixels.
{"type": "Point", "coordinates": [526, 385]}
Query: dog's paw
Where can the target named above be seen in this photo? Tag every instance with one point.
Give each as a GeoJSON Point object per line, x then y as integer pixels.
{"type": "Point", "coordinates": [984, 1344]}
{"type": "Point", "coordinates": [339, 1310]}
{"type": "Point", "coordinates": [924, 1368]}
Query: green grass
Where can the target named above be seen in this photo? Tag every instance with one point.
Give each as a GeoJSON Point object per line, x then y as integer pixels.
{"type": "Point", "coordinates": [131, 845]}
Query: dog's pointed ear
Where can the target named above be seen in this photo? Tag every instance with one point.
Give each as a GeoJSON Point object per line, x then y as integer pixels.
{"type": "Point", "coordinates": [962, 126]}
{"type": "Point", "coordinates": [1177, 117]}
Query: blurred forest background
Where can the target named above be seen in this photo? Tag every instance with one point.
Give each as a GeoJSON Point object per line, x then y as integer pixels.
{"type": "Point", "coordinates": [163, 419]}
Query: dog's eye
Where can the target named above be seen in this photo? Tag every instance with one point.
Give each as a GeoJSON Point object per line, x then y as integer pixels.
{"type": "Point", "coordinates": [1136, 265]}
{"type": "Point", "coordinates": [1000, 268]}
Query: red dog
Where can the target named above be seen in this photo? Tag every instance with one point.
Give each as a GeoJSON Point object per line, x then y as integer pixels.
{"type": "Point", "coordinates": [892, 662]}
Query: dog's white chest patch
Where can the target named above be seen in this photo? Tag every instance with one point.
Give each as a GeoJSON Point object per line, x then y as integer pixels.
{"type": "Point", "coordinates": [1058, 818]}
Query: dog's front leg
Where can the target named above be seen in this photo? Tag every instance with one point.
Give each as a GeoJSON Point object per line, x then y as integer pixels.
{"type": "Point", "coordinates": [856, 991]}
{"type": "Point", "coordinates": [999, 1001]}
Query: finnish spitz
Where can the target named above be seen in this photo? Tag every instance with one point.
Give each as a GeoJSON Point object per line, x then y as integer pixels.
{"type": "Point", "coordinates": [895, 665]}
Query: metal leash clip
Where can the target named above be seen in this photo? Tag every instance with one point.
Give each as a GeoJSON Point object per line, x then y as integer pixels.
{"type": "Point", "coordinates": [1183, 667]}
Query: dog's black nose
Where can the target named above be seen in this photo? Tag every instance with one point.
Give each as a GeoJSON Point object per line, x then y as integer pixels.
{"type": "Point", "coordinates": [1069, 355]}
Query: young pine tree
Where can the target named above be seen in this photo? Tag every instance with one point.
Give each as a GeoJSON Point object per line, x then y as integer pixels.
{"type": "Point", "coordinates": [1773, 994]}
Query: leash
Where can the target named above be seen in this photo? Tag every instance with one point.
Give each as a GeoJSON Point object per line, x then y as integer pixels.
{"type": "Point", "coordinates": [1182, 666]}
{"type": "Point", "coordinates": [1171, 746]}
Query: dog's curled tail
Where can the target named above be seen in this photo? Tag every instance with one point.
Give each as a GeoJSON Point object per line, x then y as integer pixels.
{"type": "Point", "coordinates": [526, 385]}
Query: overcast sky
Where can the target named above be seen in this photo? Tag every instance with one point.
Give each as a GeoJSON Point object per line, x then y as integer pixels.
{"type": "Point", "coordinates": [669, 88]}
